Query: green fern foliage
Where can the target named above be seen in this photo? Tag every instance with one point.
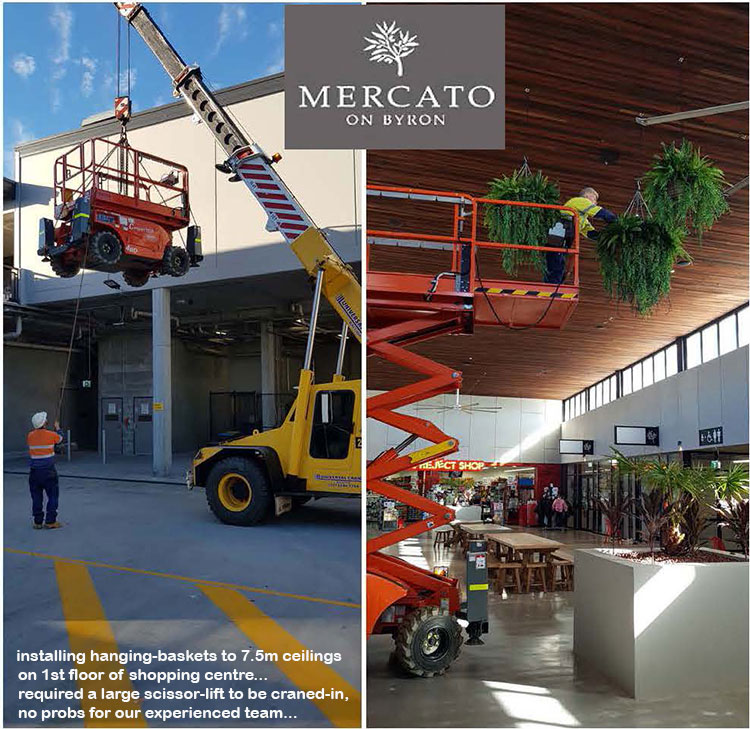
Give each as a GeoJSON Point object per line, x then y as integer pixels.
{"type": "Point", "coordinates": [685, 190]}
{"type": "Point", "coordinates": [521, 225]}
{"type": "Point", "coordinates": [636, 258]}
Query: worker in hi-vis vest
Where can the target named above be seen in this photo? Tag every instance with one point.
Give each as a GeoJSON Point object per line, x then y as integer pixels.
{"type": "Point", "coordinates": [42, 473]}
{"type": "Point", "coordinates": [587, 205]}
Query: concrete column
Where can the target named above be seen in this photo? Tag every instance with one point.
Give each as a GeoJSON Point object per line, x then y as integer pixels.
{"type": "Point", "coordinates": [161, 333]}
{"type": "Point", "coordinates": [268, 378]}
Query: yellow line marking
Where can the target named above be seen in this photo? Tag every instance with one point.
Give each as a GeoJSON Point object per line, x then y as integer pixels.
{"type": "Point", "coordinates": [269, 636]}
{"type": "Point", "coordinates": [89, 630]}
{"type": "Point", "coordinates": [194, 580]}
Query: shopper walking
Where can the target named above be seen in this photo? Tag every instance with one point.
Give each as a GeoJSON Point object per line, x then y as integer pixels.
{"type": "Point", "coordinates": [545, 507]}
{"type": "Point", "coordinates": [42, 472]}
{"type": "Point", "coordinates": [586, 206]}
{"type": "Point", "coordinates": [560, 511]}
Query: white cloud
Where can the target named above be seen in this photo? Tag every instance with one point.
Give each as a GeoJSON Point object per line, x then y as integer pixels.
{"type": "Point", "coordinates": [56, 99]}
{"type": "Point", "coordinates": [276, 29]}
{"type": "Point", "coordinates": [89, 66]}
{"type": "Point", "coordinates": [61, 20]}
{"type": "Point", "coordinates": [109, 81]}
{"type": "Point", "coordinates": [277, 62]}
{"type": "Point", "coordinates": [231, 21]}
{"type": "Point", "coordinates": [24, 65]}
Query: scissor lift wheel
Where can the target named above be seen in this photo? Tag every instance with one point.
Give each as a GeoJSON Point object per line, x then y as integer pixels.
{"type": "Point", "coordinates": [428, 641]}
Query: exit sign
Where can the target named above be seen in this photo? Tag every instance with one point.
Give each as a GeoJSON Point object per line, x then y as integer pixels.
{"type": "Point", "coordinates": [711, 436]}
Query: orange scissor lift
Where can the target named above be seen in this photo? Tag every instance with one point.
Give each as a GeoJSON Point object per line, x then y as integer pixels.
{"type": "Point", "coordinates": [419, 608]}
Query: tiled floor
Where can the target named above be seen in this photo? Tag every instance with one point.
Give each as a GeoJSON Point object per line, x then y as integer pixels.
{"type": "Point", "coordinates": [525, 674]}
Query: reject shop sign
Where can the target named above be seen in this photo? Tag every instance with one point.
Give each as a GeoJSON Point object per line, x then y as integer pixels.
{"type": "Point", "coordinates": [443, 465]}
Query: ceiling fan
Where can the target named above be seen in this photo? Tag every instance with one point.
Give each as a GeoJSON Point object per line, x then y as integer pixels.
{"type": "Point", "coordinates": [465, 407]}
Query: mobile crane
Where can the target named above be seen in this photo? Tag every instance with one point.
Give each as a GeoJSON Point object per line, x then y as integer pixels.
{"type": "Point", "coordinates": [404, 307]}
{"type": "Point", "coordinates": [316, 451]}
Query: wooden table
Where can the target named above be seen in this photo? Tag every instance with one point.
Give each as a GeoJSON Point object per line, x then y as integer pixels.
{"type": "Point", "coordinates": [526, 545]}
{"type": "Point", "coordinates": [478, 530]}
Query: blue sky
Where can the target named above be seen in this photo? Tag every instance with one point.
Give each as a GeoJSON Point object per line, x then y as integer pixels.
{"type": "Point", "coordinates": [59, 59]}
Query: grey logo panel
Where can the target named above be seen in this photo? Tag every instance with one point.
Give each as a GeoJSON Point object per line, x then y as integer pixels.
{"type": "Point", "coordinates": [395, 76]}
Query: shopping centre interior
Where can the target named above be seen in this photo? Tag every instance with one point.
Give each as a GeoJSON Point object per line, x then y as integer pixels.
{"type": "Point", "coordinates": [616, 595]}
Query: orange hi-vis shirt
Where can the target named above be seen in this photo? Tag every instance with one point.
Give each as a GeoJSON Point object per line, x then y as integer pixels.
{"type": "Point", "coordinates": [42, 444]}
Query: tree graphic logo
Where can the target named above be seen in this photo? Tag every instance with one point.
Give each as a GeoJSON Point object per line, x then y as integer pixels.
{"type": "Point", "coordinates": [389, 44]}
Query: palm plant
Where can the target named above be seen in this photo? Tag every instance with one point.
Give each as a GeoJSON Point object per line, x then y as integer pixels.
{"type": "Point", "coordinates": [732, 505]}
{"type": "Point", "coordinates": [636, 257]}
{"type": "Point", "coordinates": [615, 507]}
{"type": "Point", "coordinates": [519, 224]}
{"type": "Point", "coordinates": [673, 496]}
{"type": "Point", "coordinates": [685, 190]}
{"type": "Point", "coordinates": [677, 498]}
{"type": "Point", "coordinates": [655, 515]}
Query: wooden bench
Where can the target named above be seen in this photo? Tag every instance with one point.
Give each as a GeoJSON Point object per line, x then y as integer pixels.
{"type": "Point", "coordinates": [562, 561]}
{"type": "Point", "coordinates": [498, 571]}
{"type": "Point", "coordinates": [538, 568]}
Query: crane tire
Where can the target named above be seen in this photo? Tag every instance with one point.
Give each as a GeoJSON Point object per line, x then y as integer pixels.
{"type": "Point", "coordinates": [238, 492]}
{"type": "Point", "coordinates": [428, 641]}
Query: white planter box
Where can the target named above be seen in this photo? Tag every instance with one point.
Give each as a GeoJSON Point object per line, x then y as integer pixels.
{"type": "Point", "coordinates": [662, 629]}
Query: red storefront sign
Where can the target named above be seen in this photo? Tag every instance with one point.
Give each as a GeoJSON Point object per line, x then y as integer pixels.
{"type": "Point", "coordinates": [445, 465]}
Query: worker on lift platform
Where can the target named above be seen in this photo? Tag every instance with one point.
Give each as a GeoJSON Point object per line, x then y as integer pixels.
{"type": "Point", "coordinates": [42, 473]}
{"type": "Point", "coordinates": [586, 204]}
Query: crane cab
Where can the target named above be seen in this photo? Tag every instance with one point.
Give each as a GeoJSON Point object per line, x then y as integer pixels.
{"type": "Point", "coordinates": [314, 453]}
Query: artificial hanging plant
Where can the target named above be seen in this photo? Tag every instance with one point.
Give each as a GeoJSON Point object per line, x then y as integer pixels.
{"type": "Point", "coordinates": [636, 256]}
{"type": "Point", "coordinates": [685, 190]}
{"type": "Point", "coordinates": [521, 225]}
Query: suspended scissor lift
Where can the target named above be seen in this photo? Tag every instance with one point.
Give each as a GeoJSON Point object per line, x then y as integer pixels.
{"type": "Point", "coordinates": [116, 209]}
{"type": "Point", "coordinates": [407, 306]}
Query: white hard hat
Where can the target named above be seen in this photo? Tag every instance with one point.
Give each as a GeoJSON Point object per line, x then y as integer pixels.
{"type": "Point", "coordinates": [39, 419]}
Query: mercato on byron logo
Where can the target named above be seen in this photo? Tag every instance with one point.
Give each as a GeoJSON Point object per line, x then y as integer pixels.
{"type": "Point", "coordinates": [389, 44]}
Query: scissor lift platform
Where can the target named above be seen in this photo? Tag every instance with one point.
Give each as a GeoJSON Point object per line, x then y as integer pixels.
{"type": "Point", "coordinates": [408, 306]}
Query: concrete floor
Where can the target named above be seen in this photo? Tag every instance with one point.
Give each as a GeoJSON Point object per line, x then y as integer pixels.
{"type": "Point", "coordinates": [138, 540]}
{"type": "Point", "coordinates": [88, 464]}
{"type": "Point", "coordinates": [525, 674]}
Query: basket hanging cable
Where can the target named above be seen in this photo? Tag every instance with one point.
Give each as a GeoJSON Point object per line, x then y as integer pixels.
{"type": "Point", "coordinates": [638, 206]}
{"type": "Point", "coordinates": [524, 170]}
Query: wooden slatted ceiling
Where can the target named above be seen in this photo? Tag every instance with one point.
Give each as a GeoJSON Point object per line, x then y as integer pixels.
{"type": "Point", "coordinates": [589, 70]}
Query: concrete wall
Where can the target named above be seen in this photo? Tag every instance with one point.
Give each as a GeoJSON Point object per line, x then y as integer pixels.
{"type": "Point", "coordinates": [125, 371]}
{"type": "Point", "coordinates": [235, 241]}
{"type": "Point", "coordinates": [194, 376]}
{"type": "Point", "coordinates": [32, 383]}
{"type": "Point", "coordinates": [659, 630]}
{"type": "Point", "coordinates": [521, 430]}
{"type": "Point", "coordinates": [712, 394]}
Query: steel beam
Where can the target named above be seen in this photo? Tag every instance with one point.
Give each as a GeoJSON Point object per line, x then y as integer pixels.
{"type": "Point", "coordinates": [648, 121]}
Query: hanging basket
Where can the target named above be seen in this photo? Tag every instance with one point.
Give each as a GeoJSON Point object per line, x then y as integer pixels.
{"type": "Point", "coordinates": [685, 190]}
{"type": "Point", "coordinates": [521, 225]}
{"type": "Point", "coordinates": [636, 257]}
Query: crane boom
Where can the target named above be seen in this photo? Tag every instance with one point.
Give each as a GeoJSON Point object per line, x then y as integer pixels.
{"type": "Point", "coordinates": [249, 163]}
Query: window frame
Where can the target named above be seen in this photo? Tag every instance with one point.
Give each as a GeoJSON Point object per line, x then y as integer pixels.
{"type": "Point", "coordinates": [590, 398]}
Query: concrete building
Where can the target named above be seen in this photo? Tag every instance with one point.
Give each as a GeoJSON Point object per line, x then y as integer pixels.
{"type": "Point", "coordinates": [171, 365]}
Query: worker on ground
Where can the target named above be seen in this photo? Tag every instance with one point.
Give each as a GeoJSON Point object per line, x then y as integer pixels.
{"type": "Point", "coordinates": [587, 207]}
{"type": "Point", "coordinates": [42, 473]}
